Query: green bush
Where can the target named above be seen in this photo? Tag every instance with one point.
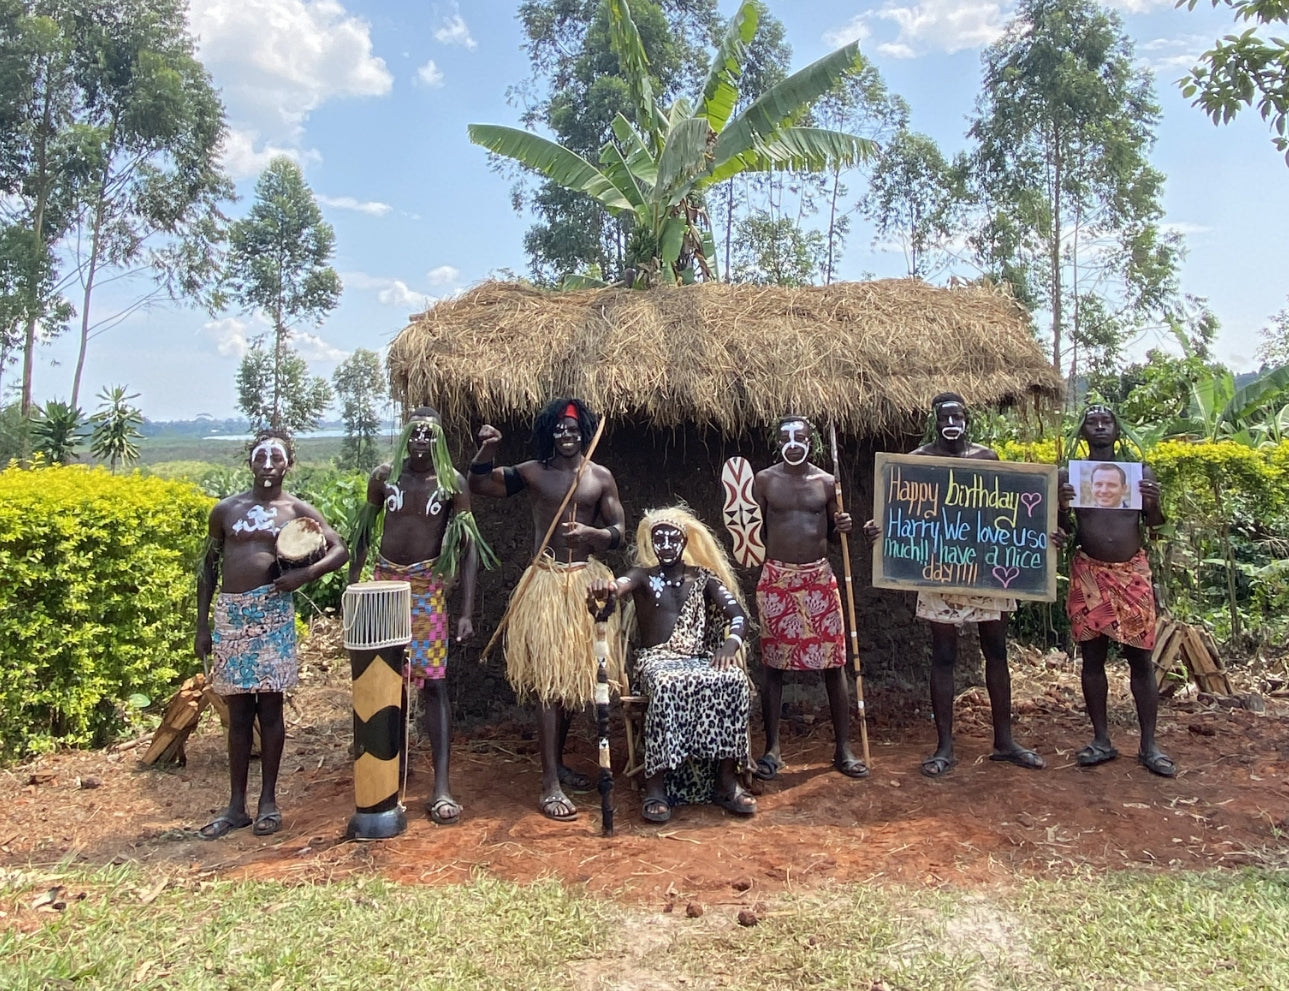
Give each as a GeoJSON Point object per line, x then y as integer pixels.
{"type": "Point", "coordinates": [97, 600]}
{"type": "Point", "coordinates": [1225, 548]}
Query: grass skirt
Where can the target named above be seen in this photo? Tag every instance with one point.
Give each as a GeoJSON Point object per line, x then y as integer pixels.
{"type": "Point", "coordinates": [550, 637]}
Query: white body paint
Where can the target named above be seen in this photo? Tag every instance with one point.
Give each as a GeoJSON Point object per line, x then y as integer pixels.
{"type": "Point", "coordinates": [395, 498]}
{"type": "Point", "coordinates": [258, 518]}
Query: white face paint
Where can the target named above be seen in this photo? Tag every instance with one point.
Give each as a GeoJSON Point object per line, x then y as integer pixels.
{"type": "Point", "coordinates": [268, 454]}
{"type": "Point", "coordinates": [951, 419]}
{"type": "Point", "coordinates": [794, 441]}
{"type": "Point", "coordinates": [668, 543]}
{"type": "Point", "coordinates": [421, 437]}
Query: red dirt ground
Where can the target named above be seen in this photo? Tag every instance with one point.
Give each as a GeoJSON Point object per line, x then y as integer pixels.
{"type": "Point", "coordinates": [1228, 806]}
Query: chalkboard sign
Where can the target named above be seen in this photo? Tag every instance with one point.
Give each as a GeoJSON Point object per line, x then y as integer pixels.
{"type": "Point", "coordinates": [958, 525]}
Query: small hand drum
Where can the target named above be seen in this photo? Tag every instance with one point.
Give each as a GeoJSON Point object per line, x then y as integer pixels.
{"type": "Point", "coordinates": [299, 544]}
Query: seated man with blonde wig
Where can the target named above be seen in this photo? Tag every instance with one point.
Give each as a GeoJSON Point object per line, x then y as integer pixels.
{"type": "Point", "coordinates": [691, 624]}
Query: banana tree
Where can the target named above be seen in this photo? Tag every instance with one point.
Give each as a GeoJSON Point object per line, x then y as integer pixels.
{"type": "Point", "coordinates": [1218, 410]}
{"type": "Point", "coordinates": [655, 169]}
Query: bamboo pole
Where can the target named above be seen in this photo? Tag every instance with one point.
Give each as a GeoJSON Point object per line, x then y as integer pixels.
{"type": "Point", "coordinates": [850, 598]}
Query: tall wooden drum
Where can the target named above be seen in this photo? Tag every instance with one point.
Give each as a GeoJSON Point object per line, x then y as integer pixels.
{"type": "Point", "coordinates": [378, 625]}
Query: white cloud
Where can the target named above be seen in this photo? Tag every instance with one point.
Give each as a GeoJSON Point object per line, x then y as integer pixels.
{"type": "Point", "coordinates": [372, 208]}
{"type": "Point", "coordinates": [397, 293]}
{"type": "Point", "coordinates": [946, 25]}
{"type": "Point", "coordinates": [229, 335]}
{"type": "Point", "coordinates": [856, 29]}
{"type": "Point", "coordinates": [276, 61]}
{"type": "Point", "coordinates": [929, 26]}
{"type": "Point", "coordinates": [361, 280]}
{"type": "Point", "coordinates": [1185, 228]}
{"type": "Point", "coordinates": [1172, 58]}
{"type": "Point", "coordinates": [455, 32]}
{"type": "Point", "coordinates": [242, 159]}
{"type": "Point", "coordinates": [314, 348]}
{"type": "Point", "coordinates": [1138, 6]}
{"type": "Point", "coordinates": [391, 292]}
{"type": "Point", "coordinates": [443, 275]}
{"type": "Point", "coordinates": [430, 75]}
{"type": "Point", "coordinates": [893, 49]}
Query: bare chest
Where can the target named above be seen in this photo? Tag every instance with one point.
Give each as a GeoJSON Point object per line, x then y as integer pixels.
{"type": "Point", "coordinates": [412, 496]}
{"type": "Point", "coordinates": [796, 495]}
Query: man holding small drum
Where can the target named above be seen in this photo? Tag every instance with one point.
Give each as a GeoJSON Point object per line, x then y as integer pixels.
{"type": "Point", "coordinates": [253, 641]}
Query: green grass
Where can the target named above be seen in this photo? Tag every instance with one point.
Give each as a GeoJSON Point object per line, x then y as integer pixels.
{"type": "Point", "coordinates": [344, 935]}
{"type": "Point", "coordinates": [1122, 931]}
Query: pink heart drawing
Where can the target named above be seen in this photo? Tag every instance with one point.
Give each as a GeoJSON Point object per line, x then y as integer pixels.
{"type": "Point", "coordinates": [1006, 575]}
{"type": "Point", "coordinates": [1030, 500]}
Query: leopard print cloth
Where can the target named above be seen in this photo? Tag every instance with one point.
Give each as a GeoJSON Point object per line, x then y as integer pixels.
{"type": "Point", "coordinates": [697, 715]}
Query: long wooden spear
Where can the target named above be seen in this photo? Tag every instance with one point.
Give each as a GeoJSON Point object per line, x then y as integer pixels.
{"type": "Point", "coordinates": [850, 597]}
{"type": "Point", "coordinates": [527, 576]}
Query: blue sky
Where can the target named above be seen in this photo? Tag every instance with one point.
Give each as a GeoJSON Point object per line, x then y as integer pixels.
{"type": "Point", "coordinates": [373, 100]}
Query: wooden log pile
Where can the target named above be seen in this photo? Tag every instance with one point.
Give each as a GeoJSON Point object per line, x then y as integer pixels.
{"type": "Point", "coordinates": [183, 713]}
{"type": "Point", "coordinates": [1189, 651]}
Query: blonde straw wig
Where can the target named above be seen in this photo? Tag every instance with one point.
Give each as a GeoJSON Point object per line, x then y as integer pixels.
{"type": "Point", "coordinates": [701, 549]}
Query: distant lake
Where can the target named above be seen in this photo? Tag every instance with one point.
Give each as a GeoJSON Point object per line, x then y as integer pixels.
{"type": "Point", "coordinates": [332, 432]}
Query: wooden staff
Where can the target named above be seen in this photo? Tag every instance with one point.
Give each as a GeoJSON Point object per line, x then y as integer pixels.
{"type": "Point", "coordinates": [526, 577]}
{"type": "Point", "coordinates": [850, 597]}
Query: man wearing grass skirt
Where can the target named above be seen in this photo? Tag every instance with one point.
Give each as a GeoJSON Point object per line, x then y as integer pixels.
{"type": "Point", "coordinates": [548, 641]}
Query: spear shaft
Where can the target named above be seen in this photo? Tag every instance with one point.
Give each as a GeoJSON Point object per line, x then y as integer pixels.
{"type": "Point", "coordinates": [850, 597]}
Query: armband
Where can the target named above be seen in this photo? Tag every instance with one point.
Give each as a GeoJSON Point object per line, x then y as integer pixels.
{"type": "Point", "coordinates": [480, 467]}
{"type": "Point", "coordinates": [615, 537]}
{"type": "Point", "coordinates": [514, 481]}
{"type": "Point", "coordinates": [736, 638]}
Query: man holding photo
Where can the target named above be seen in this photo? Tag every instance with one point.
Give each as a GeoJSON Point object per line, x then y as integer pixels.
{"type": "Point", "coordinates": [1112, 596]}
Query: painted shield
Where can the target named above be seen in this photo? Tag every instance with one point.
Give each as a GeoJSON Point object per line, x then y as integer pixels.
{"type": "Point", "coordinates": [741, 514]}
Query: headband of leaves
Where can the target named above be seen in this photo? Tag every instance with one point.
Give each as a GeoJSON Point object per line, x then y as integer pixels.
{"type": "Point", "coordinates": [1128, 447]}
{"type": "Point", "coordinates": [444, 473]}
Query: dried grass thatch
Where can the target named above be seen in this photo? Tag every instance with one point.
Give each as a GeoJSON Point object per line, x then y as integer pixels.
{"type": "Point", "coordinates": [868, 354]}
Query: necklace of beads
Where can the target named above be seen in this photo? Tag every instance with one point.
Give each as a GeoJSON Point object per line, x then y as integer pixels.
{"type": "Point", "coordinates": [658, 583]}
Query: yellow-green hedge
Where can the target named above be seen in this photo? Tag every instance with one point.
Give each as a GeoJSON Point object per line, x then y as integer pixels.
{"type": "Point", "coordinates": [1194, 475]}
{"type": "Point", "coordinates": [97, 599]}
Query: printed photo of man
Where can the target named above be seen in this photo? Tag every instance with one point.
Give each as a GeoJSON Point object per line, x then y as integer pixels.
{"type": "Point", "coordinates": [1109, 487]}
{"type": "Point", "coordinates": [1106, 484]}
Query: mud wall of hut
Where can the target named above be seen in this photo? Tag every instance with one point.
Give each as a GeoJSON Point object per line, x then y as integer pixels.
{"type": "Point", "coordinates": [657, 468]}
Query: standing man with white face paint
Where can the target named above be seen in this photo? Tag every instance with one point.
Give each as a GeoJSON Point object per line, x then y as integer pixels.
{"type": "Point", "coordinates": [549, 652]}
{"type": "Point", "coordinates": [427, 516]}
{"type": "Point", "coordinates": [946, 613]}
{"type": "Point", "coordinates": [797, 596]}
{"type": "Point", "coordinates": [254, 636]}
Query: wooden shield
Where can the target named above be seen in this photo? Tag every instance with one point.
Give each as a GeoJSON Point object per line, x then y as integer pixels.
{"type": "Point", "coordinates": [741, 514]}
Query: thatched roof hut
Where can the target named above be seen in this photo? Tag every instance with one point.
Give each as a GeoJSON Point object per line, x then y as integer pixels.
{"type": "Point", "coordinates": [691, 376]}
{"type": "Point", "coordinates": [870, 355]}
